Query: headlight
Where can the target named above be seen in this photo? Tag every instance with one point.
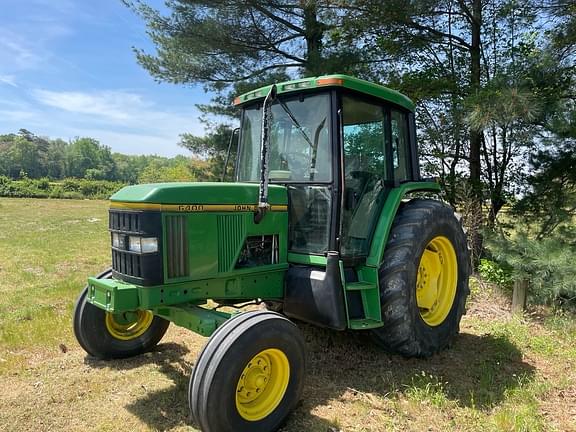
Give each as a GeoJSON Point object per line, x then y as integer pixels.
{"type": "Point", "coordinates": [118, 241]}
{"type": "Point", "coordinates": [142, 244]}
{"type": "Point", "coordinates": [134, 244]}
{"type": "Point", "coordinates": [149, 245]}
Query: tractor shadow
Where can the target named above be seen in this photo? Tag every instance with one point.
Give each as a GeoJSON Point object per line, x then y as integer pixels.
{"type": "Point", "coordinates": [475, 372]}
{"type": "Point", "coordinates": [167, 408]}
{"type": "Point", "coordinates": [160, 409]}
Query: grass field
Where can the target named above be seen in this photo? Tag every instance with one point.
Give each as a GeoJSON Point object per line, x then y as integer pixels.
{"type": "Point", "coordinates": [502, 374]}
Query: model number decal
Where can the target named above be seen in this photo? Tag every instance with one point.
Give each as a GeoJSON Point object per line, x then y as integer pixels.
{"type": "Point", "coordinates": [191, 208]}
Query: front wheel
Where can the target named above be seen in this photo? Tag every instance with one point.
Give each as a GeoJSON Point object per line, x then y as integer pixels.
{"type": "Point", "coordinates": [106, 335]}
{"type": "Point", "coordinates": [423, 280]}
{"type": "Point", "coordinates": [249, 375]}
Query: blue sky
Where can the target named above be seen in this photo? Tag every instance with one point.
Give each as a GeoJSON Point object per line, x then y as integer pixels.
{"type": "Point", "coordinates": [67, 69]}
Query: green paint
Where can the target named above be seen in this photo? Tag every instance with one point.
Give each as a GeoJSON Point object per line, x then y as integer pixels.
{"type": "Point", "coordinates": [364, 324]}
{"type": "Point", "coordinates": [198, 319]}
{"type": "Point", "coordinates": [117, 296]}
{"type": "Point", "coordinates": [111, 295]}
{"type": "Point", "coordinates": [388, 214]}
{"type": "Point", "coordinates": [199, 193]}
{"type": "Point", "coordinates": [368, 281]}
{"type": "Point", "coordinates": [211, 279]}
{"type": "Point", "coordinates": [202, 245]}
{"type": "Point", "coordinates": [215, 241]}
{"type": "Point", "coordinates": [298, 258]}
{"type": "Point", "coordinates": [370, 294]}
{"type": "Point", "coordinates": [349, 82]}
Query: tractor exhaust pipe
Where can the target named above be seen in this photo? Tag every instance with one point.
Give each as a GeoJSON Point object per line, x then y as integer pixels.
{"type": "Point", "coordinates": [265, 155]}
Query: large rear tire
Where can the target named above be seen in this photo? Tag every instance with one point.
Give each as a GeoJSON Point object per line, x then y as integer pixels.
{"type": "Point", "coordinates": [423, 280]}
{"type": "Point", "coordinates": [107, 336]}
{"type": "Point", "coordinates": [250, 374]}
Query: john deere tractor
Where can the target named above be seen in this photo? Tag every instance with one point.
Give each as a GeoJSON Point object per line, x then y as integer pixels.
{"type": "Point", "coordinates": [321, 224]}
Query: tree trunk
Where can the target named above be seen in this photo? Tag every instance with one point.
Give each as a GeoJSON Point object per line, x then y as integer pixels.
{"type": "Point", "coordinates": [519, 296]}
{"type": "Point", "coordinates": [314, 31]}
{"type": "Point", "coordinates": [475, 236]}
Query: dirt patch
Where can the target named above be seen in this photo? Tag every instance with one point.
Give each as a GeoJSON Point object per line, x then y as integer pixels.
{"type": "Point", "coordinates": [559, 408]}
{"type": "Point", "coordinates": [489, 303]}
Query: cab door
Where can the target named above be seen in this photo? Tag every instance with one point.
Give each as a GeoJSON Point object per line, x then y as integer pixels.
{"type": "Point", "coordinates": [376, 157]}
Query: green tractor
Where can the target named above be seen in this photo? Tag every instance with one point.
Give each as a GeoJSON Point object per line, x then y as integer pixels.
{"type": "Point", "coordinates": [321, 225]}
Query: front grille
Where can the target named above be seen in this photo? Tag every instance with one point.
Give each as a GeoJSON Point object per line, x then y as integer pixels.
{"type": "Point", "coordinates": [124, 221]}
{"type": "Point", "coordinates": [177, 246]}
{"type": "Point", "coordinates": [230, 236]}
{"type": "Point", "coordinates": [141, 269]}
{"type": "Point", "coordinates": [127, 263]}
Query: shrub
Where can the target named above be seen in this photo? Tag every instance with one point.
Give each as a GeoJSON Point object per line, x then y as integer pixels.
{"type": "Point", "coordinates": [68, 188]}
{"type": "Point", "coordinates": [547, 263]}
{"type": "Point", "coordinates": [495, 273]}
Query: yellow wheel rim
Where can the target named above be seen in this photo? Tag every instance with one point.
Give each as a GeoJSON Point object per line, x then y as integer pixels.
{"type": "Point", "coordinates": [436, 281]}
{"type": "Point", "coordinates": [262, 384]}
{"type": "Point", "coordinates": [129, 325]}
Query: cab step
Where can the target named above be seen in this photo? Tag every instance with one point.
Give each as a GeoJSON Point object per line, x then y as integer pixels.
{"type": "Point", "coordinates": [364, 324]}
{"type": "Point", "coordinates": [360, 286]}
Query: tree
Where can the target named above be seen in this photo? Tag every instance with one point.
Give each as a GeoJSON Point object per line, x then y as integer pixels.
{"type": "Point", "coordinates": [128, 167]}
{"type": "Point", "coordinates": [56, 159]}
{"type": "Point", "coordinates": [213, 146]}
{"type": "Point", "coordinates": [488, 76]}
{"type": "Point", "coordinates": [221, 42]}
{"type": "Point", "coordinates": [436, 52]}
{"type": "Point", "coordinates": [85, 157]}
{"type": "Point", "coordinates": [27, 153]}
{"type": "Point", "coordinates": [464, 61]}
{"type": "Point", "coordinates": [163, 170]}
{"type": "Point", "coordinates": [543, 248]}
{"type": "Point", "coordinates": [6, 142]}
{"type": "Point", "coordinates": [549, 202]}
{"type": "Point", "coordinates": [505, 114]}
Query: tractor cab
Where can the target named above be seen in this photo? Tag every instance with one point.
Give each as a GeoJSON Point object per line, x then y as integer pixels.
{"type": "Point", "coordinates": [339, 145]}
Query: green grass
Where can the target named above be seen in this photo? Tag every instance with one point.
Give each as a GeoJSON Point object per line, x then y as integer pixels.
{"type": "Point", "coordinates": [503, 373]}
{"type": "Point", "coordinates": [47, 248]}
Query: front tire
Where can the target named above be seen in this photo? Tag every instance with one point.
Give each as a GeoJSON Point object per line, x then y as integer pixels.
{"type": "Point", "coordinates": [423, 280]}
{"type": "Point", "coordinates": [250, 374]}
{"type": "Point", "coordinates": [105, 335]}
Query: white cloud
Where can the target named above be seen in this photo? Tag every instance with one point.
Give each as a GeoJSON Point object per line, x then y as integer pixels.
{"type": "Point", "coordinates": [15, 53]}
{"type": "Point", "coordinates": [113, 105]}
{"type": "Point", "coordinates": [8, 80]}
{"type": "Point", "coordinates": [125, 121]}
{"type": "Point", "coordinates": [16, 116]}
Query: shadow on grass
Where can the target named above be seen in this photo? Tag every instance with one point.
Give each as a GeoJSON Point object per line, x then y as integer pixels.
{"type": "Point", "coordinates": [160, 409]}
{"type": "Point", "coordinates": [476, 372]}
{"type": "Point", "coordinates": [168, 408]}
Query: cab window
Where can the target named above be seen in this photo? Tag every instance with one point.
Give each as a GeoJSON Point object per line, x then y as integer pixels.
{"type": "Point", "coordinates": [400, 146]}
{"type": "Point", "coordinates": [365, 128]}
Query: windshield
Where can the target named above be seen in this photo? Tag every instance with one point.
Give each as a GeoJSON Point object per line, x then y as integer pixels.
{"type": "Point", "coordinates": [300, 148]}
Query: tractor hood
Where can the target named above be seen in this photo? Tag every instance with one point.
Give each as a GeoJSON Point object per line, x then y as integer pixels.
{"type": "Point", "coordinates": [198, 193]}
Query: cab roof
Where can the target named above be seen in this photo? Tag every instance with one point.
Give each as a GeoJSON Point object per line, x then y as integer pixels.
{"type": "Point", "coordinates": [345, 81]}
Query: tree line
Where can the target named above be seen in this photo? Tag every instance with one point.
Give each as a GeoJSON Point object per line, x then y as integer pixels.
{"type": "Point", "coordinates": [24, 155]}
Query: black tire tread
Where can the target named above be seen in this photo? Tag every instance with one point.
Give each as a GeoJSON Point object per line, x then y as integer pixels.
{"type": "Point", "coordinates": [87, 318]}
{"type": "Point", "coordinates": [205, 358]}
{"type": "Point", "coordinates": [398, 334]}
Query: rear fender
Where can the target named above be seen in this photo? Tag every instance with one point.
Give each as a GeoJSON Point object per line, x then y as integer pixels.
{"type": "Point", "coordinates": [386, 219]}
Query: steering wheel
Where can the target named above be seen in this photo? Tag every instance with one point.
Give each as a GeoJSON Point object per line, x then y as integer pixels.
{"type": "Point", "coordinates": [298, 164]}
